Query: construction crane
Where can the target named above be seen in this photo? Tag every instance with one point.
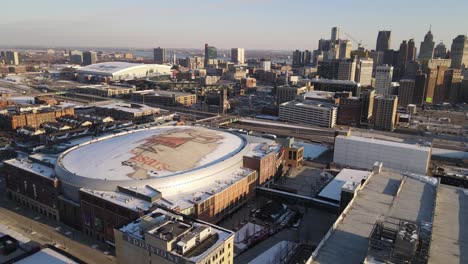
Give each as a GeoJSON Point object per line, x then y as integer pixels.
{"type": "Point", "coordinates": [359, 43]}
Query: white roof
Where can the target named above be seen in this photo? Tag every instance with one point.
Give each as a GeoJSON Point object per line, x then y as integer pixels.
{"type": "Point", "coordinates": [345, 177]}
{"type": "Point", "coordinates": [114, 67]}
{"type": "Point", "coordinates": [31, 166]}
{"type": "Point", "coordinates": [121, 199]}
{"type": "Point", "coordinates": [155, 152]}
{"type": "Point", "coordinates": [46, 256]}
{"type": "Point", "coordinates": [386, 143]}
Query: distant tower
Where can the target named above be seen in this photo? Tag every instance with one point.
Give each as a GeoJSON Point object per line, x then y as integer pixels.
{"type": "Point", "coordinates": [335, 34]}
{"type": "Point", "coordinates": [440, 51]}
{"type": "Point", "coordinates": [159, 55]}
{"type": "Point", "coordinates": [383, 79]}
{"type": "Point", "coordinates": [426, 52]}
{"type": "Point", "coordinates": [459, 52]}
{"type": "Point", "coordinates": [89, 57]}
{"type": "Point", "coordinates": [383, 40]}
{"type": "Point", "coordinates": [238, 55]}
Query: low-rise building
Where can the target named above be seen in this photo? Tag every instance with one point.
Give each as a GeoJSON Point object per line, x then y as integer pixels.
{"type": "Point", "coordinates": [362, 153]}
{"type": "Point", "coordinates": [35, 118]}
{"type": "Point", "coordinates": [166, 98]}
{"type": "Point", "coordinates": [167, 237]}
{"type": "Point", "coordinates": [104, 90]}
{"type": "Point", "coordinates": [336, 86]}
{"type": "Point", "coordinates": [122, 111]}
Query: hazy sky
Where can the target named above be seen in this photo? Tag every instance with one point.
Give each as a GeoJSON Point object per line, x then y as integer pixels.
{"type": "Point", "coordinates": [253, 24]}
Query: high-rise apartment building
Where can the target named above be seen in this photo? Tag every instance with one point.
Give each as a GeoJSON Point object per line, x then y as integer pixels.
{"type": "Point", "coordinates": [420, 82]}
{"type": "Point", "coordinates": [159, 55]}
{"type": "Point", "coordinates": [385, 112]}
{"type": "Point", "coordinates": [459, 52]}
{"type": "Point", "coordinates": [297, 58]}
{"type": "Point", "coordinates": [12, 58]}
{"type": "Point", "coordinates": [426, 52]}
{"type": "Point", "coordinates": [452, 85]}
{"type": "Point", "coordinates": [411, 50]}
{"type": "Point", "coordinates": [347, 70]}
{"type": "Point", "coordinates": [238, 55]}
{"type": "Point", "coordinates": [265, 65]}
{"type": "Point", "coordinates": [383, 41]}
{"type": "Point", "coordinates": [210, 53]}
{"type": "Point", "coordinates": [76, 57]}
{"type": "Point", "coordinates": [89, 57]}
{"type": "Point", "coordinates": [367, 105]}
{"type": "Point", "coordinates": [364, 72]}
{"type": "Point", "coordinates": [406, 92]}
{"type": "Point", "coordinates": [435, 82]}
{"type": "Point", "coordinates": [383, 79]}
{"type": "Point", "coordinates": [346, 47]}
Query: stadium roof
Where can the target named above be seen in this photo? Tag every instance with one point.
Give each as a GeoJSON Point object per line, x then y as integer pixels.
{"type": "Point", "coordinates": [114, 67]}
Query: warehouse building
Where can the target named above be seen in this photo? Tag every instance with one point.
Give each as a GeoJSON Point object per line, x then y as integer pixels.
{"type": "Point", "coordinates": [360, 152]}
{"type": "Point", "coordinates": [398, 218]}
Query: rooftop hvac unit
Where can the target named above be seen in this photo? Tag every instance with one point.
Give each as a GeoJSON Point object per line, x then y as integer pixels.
{"type": "Point", "coordinates": [407, 239]}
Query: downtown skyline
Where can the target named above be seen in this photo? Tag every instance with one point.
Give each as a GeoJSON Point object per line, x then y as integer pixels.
{"type": "Point", "coordinates": [258, 24]}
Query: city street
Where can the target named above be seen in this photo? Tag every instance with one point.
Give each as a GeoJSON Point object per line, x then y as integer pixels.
{"type": "Point", "coordinates": [43, 230]}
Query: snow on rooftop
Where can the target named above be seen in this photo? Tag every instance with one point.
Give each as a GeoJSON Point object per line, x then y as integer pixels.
{"type": "Point", "coordinates": [46, 256]}
{"type": "Point", "coordinates": [121, 199]}
{"type": "Point", "coordinates": [386, 143]}
{"type": "Point", "coordinates": [137, 108]}
{"type": "Point", "coordinates": [34, 167]}
{"type": "Point", "coordinates": [347, 178]}
{"type": "Point", "coordinates": [151, 153]}
{"type": "Point", "coordinates": [114, 67]}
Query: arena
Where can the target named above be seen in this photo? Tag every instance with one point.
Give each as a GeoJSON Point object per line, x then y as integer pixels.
{"type": "Point", "coordinates": [97, 184]}
{"type": "Point", "coordinates": [172, 160]}
{"type": "Point", "coordinates": [121, 70]}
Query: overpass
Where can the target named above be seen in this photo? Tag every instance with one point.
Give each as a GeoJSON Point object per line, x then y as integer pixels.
{"type": "Point", "coordinates": [298, 199]}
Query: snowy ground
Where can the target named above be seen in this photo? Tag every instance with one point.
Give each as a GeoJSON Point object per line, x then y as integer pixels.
{"type": "Point", "coordinates": [448, 153]}
{"type": "Point", "coordinates": [312, 151]}
{"type": "Point", "coordinates": [277, 254]}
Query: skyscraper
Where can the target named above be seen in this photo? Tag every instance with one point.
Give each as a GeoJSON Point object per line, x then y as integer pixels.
{"type": "Point", "coordinates": [89, 57]}
{"type": "Point", "coordinates": [210, 53]}
{"type": "Point", "coordinates": [297, 58]}
{"type": "Point", "coordinates": [76, 57]}
{"type": "Point", "coordinates": [452, 85]}
{"type": "Point", "coordinates": [459, 52]}
{"type": "Point", "coordinates": [159, 55]}
{"type": "Point", "coordinates": [420, 82]}
{"type": "Point", "coordinates": [238, 55]}
{"type": "Point", "coordinates": [426, 52]}
{"type": "Point", "coordinates": [411, 50]}
{"type": "Point", "coordinates": [383, 79]}
{"type": "Point", "coordinates": [335, 34]}
{"type": "Point", "coordinates": [367, 105]}
{"type": "Point", "coordinates": [385, 112]}
{"type": "Point", "coordinates": [440, 51]}
{"type": "Point", "coordinates": [383, 40]}
{"type": "Point", "coordinates": [347, 70]}
{"type": "Point", "coordinates": [364, 72]}
{"type": "Point", "coordinates": [346, 47]}
{"type": "Point", "coordinates": [406, 92]}
{"type": "Point", "coordinates": [12, 58]}
{"type": "Point", "coordinates": [265, 65]}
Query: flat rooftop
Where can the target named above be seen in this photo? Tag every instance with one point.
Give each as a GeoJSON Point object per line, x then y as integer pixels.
{"type": "Point", "coordinates": [162, 93]}
{"type": "Point", "coordinates": [114, 67]}
{"type": "Point", "coordinates": [386, 194]}
{"type": "Point", "coordinates": [47, 256]}
{"type": "Point", "coordinates": [309, 104]}
{"type": "Point", "coordinates": [121, 199]}
{"type": "Point", "coordinates": [168, 226]}
{"type": "Point", "coordinates": [346, 177]}
{"type": "Point", "coordinates": [386, 143]}
{"type": "Point", "coordinates": [329, 81]}
{"type": "Point", "coordinates": [31, 166]}
{"type": "Point", "coordinates": [130, 108]}
{"type": "Point", "coordinates": [450, 230]}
